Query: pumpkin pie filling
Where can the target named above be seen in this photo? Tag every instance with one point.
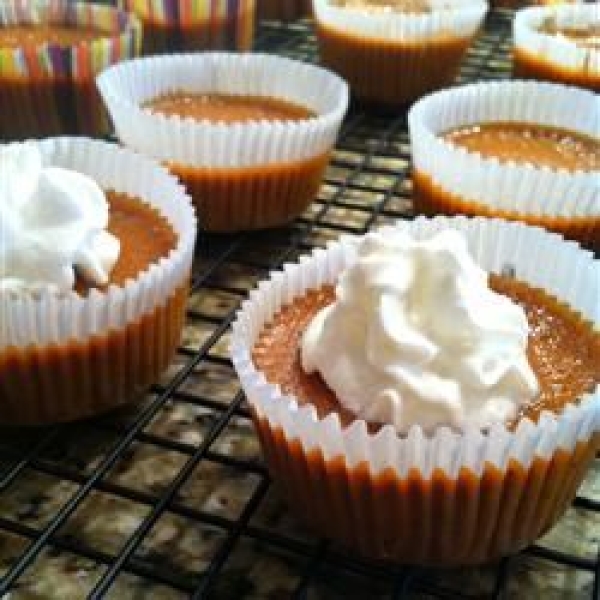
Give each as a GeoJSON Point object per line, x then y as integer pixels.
{"type": "Point", "coordinates": [540, 145]}
{"type": "Point", "coordinates": [226, 108]}
{"type": "Point", "coordinates": [144, 235]}
{"type": "Point", "coordinates": [233, 198]}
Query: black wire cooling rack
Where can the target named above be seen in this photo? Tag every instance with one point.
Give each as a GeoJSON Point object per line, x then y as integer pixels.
{"type": "Point", "coordinates": [170, 499]}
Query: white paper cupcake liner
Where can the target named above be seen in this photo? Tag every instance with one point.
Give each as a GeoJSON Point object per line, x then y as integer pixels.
{"type": "Point", "coordinates": [448, 18]}
{"type": "Point", "coordinates": [555, 49]}
{"type": "Point", "coordinates": [50, 318]}
{"type": "Point", "coordinates": [518, 188]}
{"type": "Point", "coordinates": [572, 276]}
{"type": "Point", "coordinates": [126, 87]}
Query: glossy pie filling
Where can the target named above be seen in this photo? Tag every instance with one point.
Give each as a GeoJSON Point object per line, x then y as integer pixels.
{"type": "Point", "coordinates": [144, 234]}
{"type": "Point", "coordinates": [563, 350]}
{"type": "Point", "coordinates": [539, 145]}
{"type": "Point", "coordinates": [227, 108]}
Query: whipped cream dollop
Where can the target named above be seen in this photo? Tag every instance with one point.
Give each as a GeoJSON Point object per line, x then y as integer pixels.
{"type": "Point", "coordinates": [53, 225]}
{"type": "Point", "coordinates": [417, 337]}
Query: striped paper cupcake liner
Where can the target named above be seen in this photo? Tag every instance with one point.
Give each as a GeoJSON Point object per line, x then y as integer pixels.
{"type": "Point", "coordinates": [189, 25]}
{"type": "Point", "coordinates": [48, 89]}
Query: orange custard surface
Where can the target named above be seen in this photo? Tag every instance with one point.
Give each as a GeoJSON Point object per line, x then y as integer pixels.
{"type": "Point", "coordinates": [226, 108]}
{"type": "Point", "coordinates": [539, 145]}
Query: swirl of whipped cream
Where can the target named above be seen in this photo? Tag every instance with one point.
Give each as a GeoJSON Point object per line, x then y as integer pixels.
{"type": "Point", "coordinates": [52, 225]}
{"type": "Point", "coordinates": [417, 337]}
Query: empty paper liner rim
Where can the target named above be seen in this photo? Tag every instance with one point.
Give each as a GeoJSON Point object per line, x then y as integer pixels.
{"type": "Point", "coordinates": [126, 87]}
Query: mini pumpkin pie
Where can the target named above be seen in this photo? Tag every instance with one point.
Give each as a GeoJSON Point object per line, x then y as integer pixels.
{"type": "Point", "coordinates": [94, 267]}
{"type": "Point", "coordinates": [558, 43]}
{"type": "Point", "coordinates": [421, 405]}
{"type": "Point", "coordinates": [192, 25]}
{"type": "Point", "coordinates": [250, 136]}
{"type": "Point", "coordinates": [50, 53]}
{"type": "Point", "coordinates": [519, 150]}
{"type": "Point", "coordinates": [392, 52]}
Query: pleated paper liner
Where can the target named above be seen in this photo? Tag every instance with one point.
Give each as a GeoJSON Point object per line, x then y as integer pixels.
{"type": "Point", "coordinates": [253, 197]}
{"type": "Point", "coordinates": [241, 175]}
{"type": "Point", "coordinates": [47, 89]}
{"type": "Point", "coordinates": [192, 25]}
{"type": "Point", "coordinates": [394, 58]}
{"type": "Point", "coordinates": [544, 56]}
{"type": "Point", "coordinates": [431, 200]}
{"type": "Point", "coordinates": [449, 179]}
{"type": "Point", "coordinates": [64, 356]}
{"type": "Point", "coordinates": [441, 499]}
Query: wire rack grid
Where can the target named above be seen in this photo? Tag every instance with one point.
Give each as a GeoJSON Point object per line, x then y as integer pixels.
{"type": "Point", "coordinates": [170, 498]}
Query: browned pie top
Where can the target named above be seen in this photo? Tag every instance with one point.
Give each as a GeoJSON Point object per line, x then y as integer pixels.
{"type": "Point", "coordinates": [15, 36]}
{"type": "Point", "coordinates": [228, 108]}
{"type": "Point", "coordinates": [539, 145]}
{"type": "Point", "coordinates": [378, 6]}
{"type": "Point", "coordinates": [587, 37]}
{"type": "Point", "coordinates": [563, 350]}
{"type": "Point", "coordinates": [144, 234]}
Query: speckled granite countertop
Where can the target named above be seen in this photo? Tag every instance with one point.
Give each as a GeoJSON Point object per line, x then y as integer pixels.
{"type": "Point", "coordinates": [184, 548]}
{"type": "Point", "coordinates": [223, 525]}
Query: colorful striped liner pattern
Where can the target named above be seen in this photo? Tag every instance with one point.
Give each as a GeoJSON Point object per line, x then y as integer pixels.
{"type": "Point", "coordinates": [179, 25]}
{"type": "Point", "coordinates": [60, 80]}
